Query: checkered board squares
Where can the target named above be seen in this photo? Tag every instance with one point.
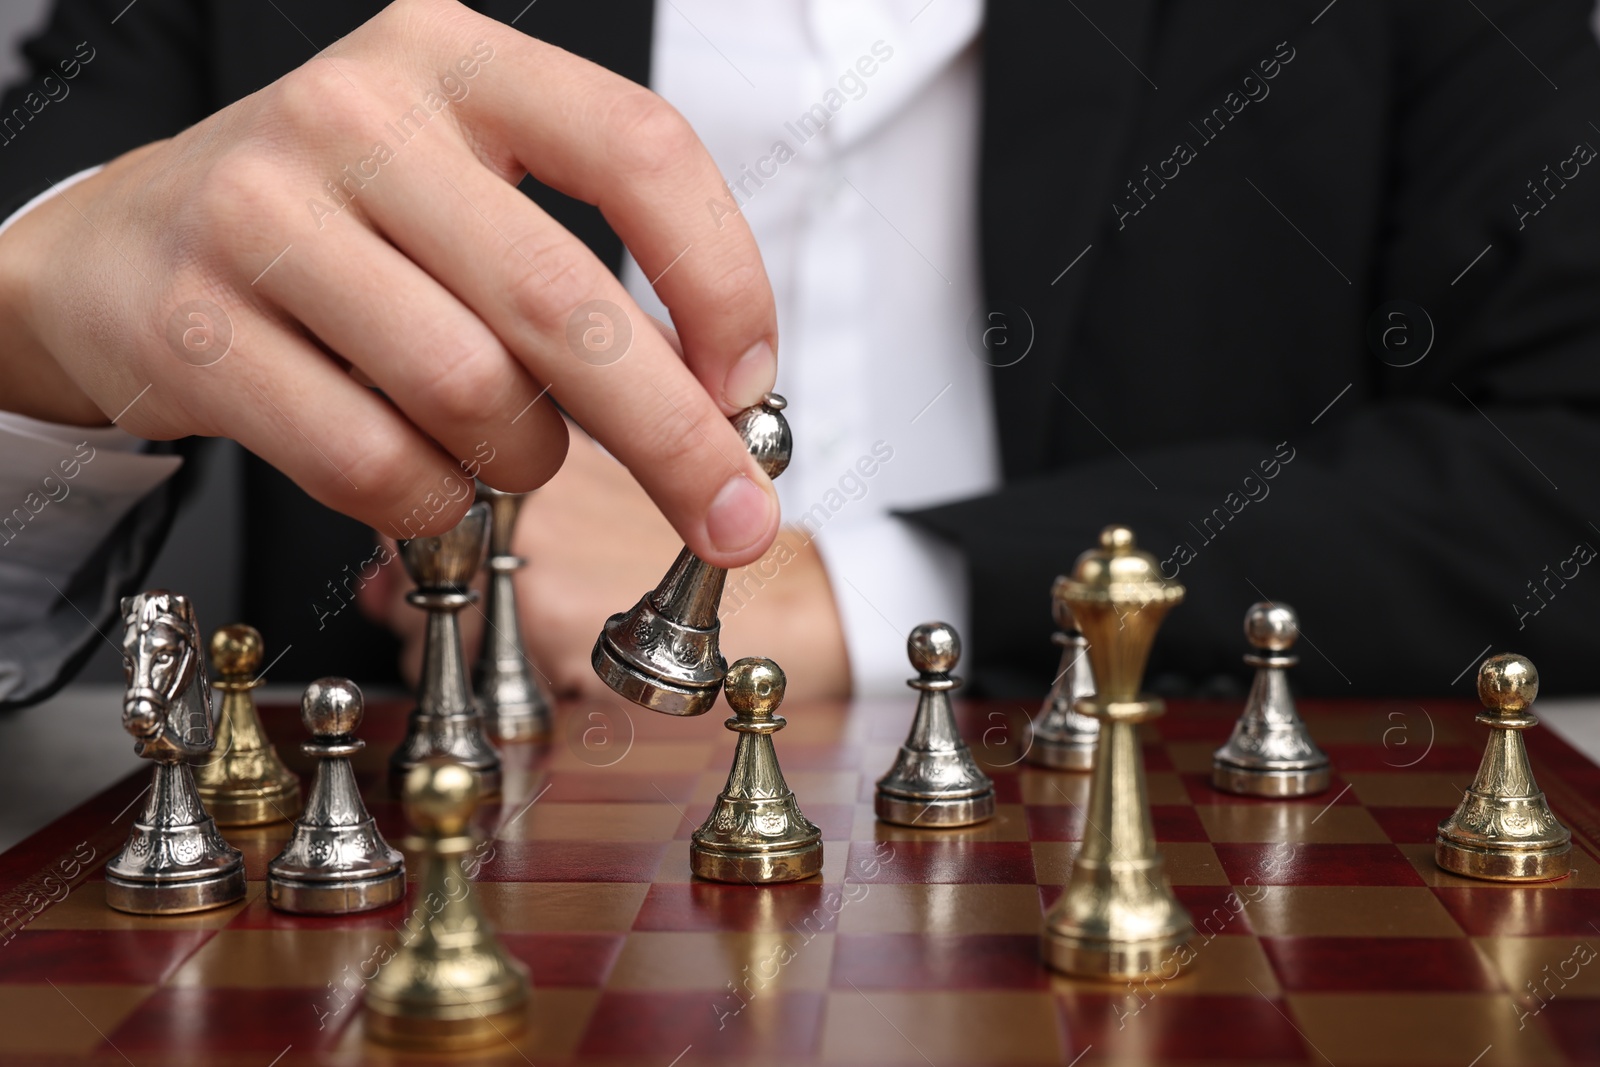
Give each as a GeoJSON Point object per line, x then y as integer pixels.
{"type": "Point", "coordinates": [1325, 933]}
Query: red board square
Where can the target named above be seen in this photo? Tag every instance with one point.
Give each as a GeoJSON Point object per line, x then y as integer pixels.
{"type": "Point", "coordinates": [711, 906]}
{"type": "Point", "coordinates": [1534, 910]}
{"type": "Point", "coordinates": [937, 961]}
{"type": "Point", "coordinates": [950, 860]}
{"type": "Point", "coordinates": [133, 957]}
{"type": "Point", "coordinates": [1409, 826]}
{"type": "Point", "coordinates": [1055, 822]}
{"type": "Point", "coordinates": [1380, 964]}
{"type": "Point", "coordinates": [655, 1025]}
{"type": "Point", "coordinates": [210, 1024]}
{"type": "Point", "coordinates": [1215, 909]}
{"type": "Point", "coordinates": [573, 861]}
{"type": "Point", "coordinates": [1440, 758]}
{"type": "Point", "coordinates": [1173, 1027]}
{"type": "Point", "coordinates": [1573, 1021]}
{"type": "Point", "coordinates": [562, 959]}
{"type": "Point", "coordinates": [1300, 863]}
{"type": "Point", "coordinates": [578, 787]}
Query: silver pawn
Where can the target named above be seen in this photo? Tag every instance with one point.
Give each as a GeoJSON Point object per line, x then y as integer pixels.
{"type": "Point", "coordinates": [336, 861]}
{"type": "Point", "coordinates": [1064, 739]}
{"type": "Point", "coordinates": [1271, 753]}
{"type": "Point", "coordinates": [515, 707]}
{"type": "Point", "coordinates": [447, 720]}
{"type": "Point", "coordinates": [664, 652]}
{"type": "Point", "coordinates": [174, 861]}
{"type": "Point", "coordinates": [935, 781]}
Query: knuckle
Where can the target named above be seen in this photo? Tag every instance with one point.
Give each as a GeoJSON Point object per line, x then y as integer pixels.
{"type": "Point", "coordinates": [470, 382]}
{"type": "Point", "coordinates": [325, 98]}
{"type": "Point", "coordinates": [552, 279]}
{"type": "Point", "coordinates": [651, 136]}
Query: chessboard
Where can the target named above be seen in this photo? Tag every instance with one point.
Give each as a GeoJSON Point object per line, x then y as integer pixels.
{"type": "Point", "coordinates": [1326, 935]}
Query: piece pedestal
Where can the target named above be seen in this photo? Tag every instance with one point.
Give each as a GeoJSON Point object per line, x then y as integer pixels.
{"type": "Point", "coordinates": [1249, 782]}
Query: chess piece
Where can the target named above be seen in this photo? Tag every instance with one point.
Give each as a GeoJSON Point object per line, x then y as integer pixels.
{"type": "Point", "coordinates": [934, 782]}
{"type": "Point", "coordinates": [1062, 738]}
{"type": "Point", "coordinates": [1271, 753]}
{"type": "Point", "coordinates": [175, 860]}
{"type": "Point", "coordinates": [243, 783]}
{"type": "Point", "coordinates": [514, 706]}
{"type": "Point", "coordinates": [447, 720]}
{"type": "Point", "coordinates": [1503, 830]}
{"type": "Point", "coordinates": [1117, 916]}
{"type": "Point", "coordinates": [756, 832]}
{"type": "Point", "coordinates": [336, 862]}
{"type": "Point", "coordinates": [663, 653]}
{"type": "Point", "coordinates": [450, 984]}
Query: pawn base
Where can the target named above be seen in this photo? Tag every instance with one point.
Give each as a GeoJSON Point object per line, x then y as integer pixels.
{"type": "Point", "coordinates": [252, 809]}
{"type": "Point", "coordinates": [789, 865]}
{"type": "Point", "coordinates": [335, 898]}
{"type": "Point", "coordinates": [475, 1030]}
{"type": "Point", "coordinates": [1113, 960]}
{"type": "Point", "coordinates": [1062, 755]}
{"type": "Point", "coordinates": [656, 694]}
{"type": "Point", "coordinates": [1544, 865]}
{"type": "Point", "coordinates": [940, 812]}
{"type": "Point", "coordinates": [1249, 782]}
{"type": "Point", "coordinates": [175, 898]}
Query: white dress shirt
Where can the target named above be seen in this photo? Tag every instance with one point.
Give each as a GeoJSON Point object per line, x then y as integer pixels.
{"type": "Point", "coordinates": [867, 221]}
{"type": "Point", "coordinates": [868, 228]}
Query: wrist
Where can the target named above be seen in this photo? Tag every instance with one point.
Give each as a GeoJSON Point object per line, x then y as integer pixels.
{"type": "Point", "coordinates": [32, 381]}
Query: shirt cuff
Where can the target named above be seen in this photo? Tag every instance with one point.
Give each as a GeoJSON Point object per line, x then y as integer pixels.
{"type": "Point", "coordinates": [887, 577]}
{"type": "Point", "coordinates": [55, 187]}
{"type": "Point", "coordinates": [65, 490]}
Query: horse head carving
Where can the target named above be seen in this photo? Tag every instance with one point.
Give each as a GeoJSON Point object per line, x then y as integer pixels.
{"type": "Point", "coordinates": [167, 707]}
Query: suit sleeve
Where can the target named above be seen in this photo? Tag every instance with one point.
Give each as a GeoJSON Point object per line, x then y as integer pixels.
{"type": "Point", "coordinates": [1438, 511]}
{"type": "Point", "coordinates": [103, 77]}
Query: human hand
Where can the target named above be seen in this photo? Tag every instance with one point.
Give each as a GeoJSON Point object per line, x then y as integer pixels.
{"type": "Point", "coordinates": [594, 544]}
{"type": "Point", "coordinates": [247, 277]}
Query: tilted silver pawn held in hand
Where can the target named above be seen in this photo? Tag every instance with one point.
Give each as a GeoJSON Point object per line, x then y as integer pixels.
{"type": "Point", "coordinates": [447, 720]}
{"type": "Point", "coordinates": [1271, 753]}
{"type": "Point", "coordinates": [756, 831]}
{"type": "Point", "coordinates": [515, 707]}
{"type": "Point", "coordinates": [663, 654]}
{"type": "Point", "coordinates": [1062, 738]}
{"type": "Point", "coordinates": [175, 860]}
{"type": "Point", "coordinates": [1503, 830]}
{"type": "Point", "coordinates": [336, 861]}
{"type": "Point", "coordinates": [935, 781]}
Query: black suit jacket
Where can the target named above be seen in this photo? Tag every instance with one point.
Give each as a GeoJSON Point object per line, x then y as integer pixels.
{"type": "Point", "coordinates": [1196, 219]}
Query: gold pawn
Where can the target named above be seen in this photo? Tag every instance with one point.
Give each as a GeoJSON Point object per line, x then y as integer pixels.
{"type": "Point", "coordinates": [756, 832]}
{"type": "Point", "coordinates": [1503, 830]}
{"type": "Point", "coordinates": [450, 984]}
{"type": "Point", "coordinates": [243, 782]}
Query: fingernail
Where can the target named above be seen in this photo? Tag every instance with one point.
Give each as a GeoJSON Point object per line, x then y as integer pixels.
{"type": "Point", "coordinates": [751, 378]}
{"type": "Point", "coordinates": [740, 514]}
